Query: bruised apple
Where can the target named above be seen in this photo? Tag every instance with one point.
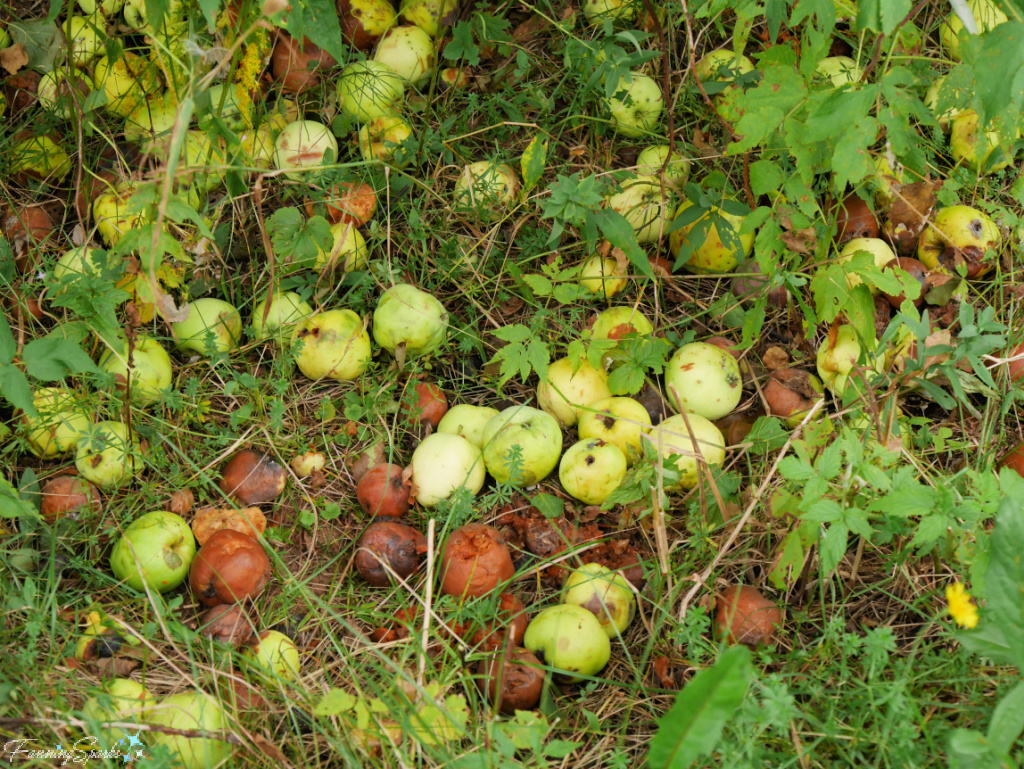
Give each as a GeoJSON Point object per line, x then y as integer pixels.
{"type": "Point", "coordinates": [384, 490]}
{"type": "Point", "coordinates": [512, 683]}
{"type": "Point", "coordinates": [703, 379]}
{"type": "Point", "coordinates": [334, 344]}
{"type": "Point", "coordinates": [475, 561]}
{"type": "Point", "coordinates": [253, 478]}
{"type": "Point", "coordinates": [406, 315]}
{"type": "Point", "coordinates": [425, 405]}
{"type": "Point", "coordinates": [590, 470]}
{"type": "Point", "coordinates": [744, 616]}
{"type": "Point", "coordinates": [388, 546]}
{"type": "Point", "coordinates": [570, 639]}
{"type": "Point", "coordinates": [230, 567]}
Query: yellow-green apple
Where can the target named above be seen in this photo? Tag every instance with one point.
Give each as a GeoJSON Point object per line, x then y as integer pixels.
{"type": "Point", "coordinates": [155, 550]}
{"type": "Point", "coordinates": [151, 373]}
{"type": "Point", "coordinates": [486, 189]}
{"type": "Point", "coordinates": [83, 260]}
{"type": "Point", "coordinates": [62, 418]}
{"type": "Point", "coordinates": [617, 420]}
{"type": "Point", "coordinates": [363, 22]}
{"type": "Point", "coordinates": [987, 16]}
{"type": "Point", "coordinates": [443, 463]}
{"type": "Point", "coordinates": [973, 146]}
{"type": "Point", "coordinates": [272, 656]}
{"type": "Point", "coordinates": [107, 454]}
{"type": "Point", "coordinates": [616, 322]}
{"type": "Point", "coordinates": [878, 249]}
{"type": "Point", "coordinates": [85, 39]}
{"type": "Point", "coordinates": [604, 593]}
{"type": "Point", "coordinates": [646, 205]}
{"type": "Point", "coordinates": [836, 358]}
{"type": "Point", "coordinates": [211, 322]}
{"type": "Point", "coordinates": [636, 105]}
{"type": "Point", "coordinates": [723, 66]}
{"type": "Point", "coordinates": [368, 90]}
{"type": "Point", "coordinates": [120, 699]}
{"type": "Point", "coordinates": [349, 249]}
{"type": "Point", "coordinates": [151, 122]}
{"type": "Point", "coordinates": [410, 52]}
{"type": "Point", "coordinates": [468, 421]}
{"type": "Point", "coordinates": [89, 7]}
{"type": "Point", "coordinates": [334, 345]}
{"type": "Point", "coordinates": [304, 146]}
{"type": "Point", "coordinates": [931, 101]}
{"type": "Point", "coordinates": [380, 140]}
{"type": "Point", "coordinates": [672, 437]}
{"type": "Point", "coordinates": [959, 233]}
{"type": "Point", "coordinates": [653, 159]}
{"type": "Point", "coordinates": [191, 712]}
{"type": "Point", "coordinates": [839, 70]}
{"type": "Point", "coordinates": [617, 10]}
{"type": "Point", "coordinates": [712, 254]}
{"type": "Point", "coordinates": [602, 276]}
{"type": "Point", "coordinates": [538, 437]}
{"type": "Point", "coordinates": [591, 469]}
{"type": "Point", "coordinates": [571, 641]}
{"type": "Point", "coordinates": [125, 82]}
{"type": "Point", "coordinates": [703, 379]}
{"type": "Point", "coordinates": [405, 315]}
{"type": "Point", "coordinates": [567, 387]}
{"type": "Point", "coordinates": [62, 93]}
{"type": "Point", "coordinates": [429, 15]}
{"type": "Point", "coordinates": [287, 310]}
{"type": "Point", "coordinates": [110, 210]}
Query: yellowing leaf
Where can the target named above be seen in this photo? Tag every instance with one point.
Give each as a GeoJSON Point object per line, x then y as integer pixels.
{"type": "Point", "coordinates": [534, 161]}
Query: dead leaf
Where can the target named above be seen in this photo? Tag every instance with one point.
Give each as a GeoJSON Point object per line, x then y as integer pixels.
{"type": "Point", "coordinates": [116, 667]}
{"type": "Point", "coordinates": [663, 670]}
{"type": "Point", "coordinates": [181, 502]}
{"type": "Point", "coordinates": [248, 520]}
{"type": "Point", "coordinates": [13, 58]}
{"type": "Point", "coordinates": [775, 358]}
{"type": "Point", "coordinates": [526, 31]}
{"type": "Point", "coordinates": [803, 241]}
{"type": "Point", "coordinates": [268, 748]}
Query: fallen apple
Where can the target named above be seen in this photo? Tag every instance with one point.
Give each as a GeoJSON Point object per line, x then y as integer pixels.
{"type": "Point", "coordinates": [655, 160]}
{"type": "Point", "coordinates": [272, 656]}
{"type": "Point", "coordinates": [536, 434]}
{"type": "Point", "coordinates": [287, 310]}
{"type": "Point", "coordinates": [703, 379]}
{"type": "Point", "coordinates": [192, 711]}
{"type": "Point", "coordinates": [987, 16]}
{"type": "Point", "coordinates": [878, 249]}
{"type": "Point", "coordinates": [616, 10]}
{"type": "Point", "coordinates": [619, 421]}
{"type": "Point", "coordinates": [126, 81]}
{"type": "Point", "coordinates": [351, 203]}
{"type": "Point", "coordinates": [63, 93]}
{"type": "Point", "coordinates": [616, 322]}
{"type": "Point", "coordinates": [407, 316]}
{"type": "Point", "coordinates": [111, 212]}
{"type": "Point", "coordinates": [426, 404]}
{"type": "Point", "coordinates": [388, 546]}
{"type": "Point", "coordinates": [854, 219]}
{"type": "Point", "coordinates": [467, 421]}
{"type": "Point", "coordinates": [369, 89]}
{"type": "Point", "coordinates": [723, 66]}
{"type": "Point", "coordinates": [120, 699]}
{"type": "Point", "coordinates": [486, 189]}
{"type": "Point", "coordinates": [304, 146]}
{"type": "Point", "coordinates": [211, 325]}
{"type": "Point", "coordinates": [252, 478]}
{"type": "Point", "coordinates": [568, 387]}
{"type": "Point", "coordinates": [230, 567]}
{"type": "Point", "coordinates": [155, 551]}
{"type": "Point", "coordinates": [384, 490]}
{"type": "Point", "coordinates": [443, 463]}
{"type": "Point", "coordinates": [62, 418]}
{"type": "Point", "coordinates": [837, 358]}
{"type": "Point", "coordinates": [569, 639]}
{"type": "Point", "coordinates": [744, 616]}
{"type": "Point", "coordinates": [39, 156]}
{"type": "Point", "coordinates": [636, 105]}
{"type": "Point", "coordinates": [514, 683]}
{"type": "Point", "coordinates": [69, 496]}
{"type": "Point", "coordinates": [381, 139]}
{"type": "Point", "coordinates": [349, 249]}
{"type": "Point", "coordinates": [604, 593]}
{"type": "Point", "coordinates": [969, 233]}
{"type": "Point", "coordinates": [107, 454]}
{"type": "Point", "coordinates": [601, 276]}
{"type": "Point", "coordinates": [295, 63]}
{"type": "Point", "coordinates": [334, 344]}
{"type": "Point", "coordinates": [839, 71]}
{"type": "Point", "coordinates": [475, 561]}
{"type": "Point", "coordinates": [430, 15]}
{"type": "Point", "coordinates": [363, 22]}
{"type": "Point", "coordinates": [673, 437]}
{"type": "Point", "coordinates": [973, 146]}
{"type": "Point", "coordinates": [590, 470]}
{"type": "Point", "coordinates": [410, 52]}
{"type": "Point", "coordinates": [790, 393]}
{"type": "Point", "coordinates": [711, 250]}
{"type": "Point", "coordinates": [645, 204]}
{"type": "Point", "coordinates": [305, 465]}
{"type": "Point", "coordinates": [931, 101]}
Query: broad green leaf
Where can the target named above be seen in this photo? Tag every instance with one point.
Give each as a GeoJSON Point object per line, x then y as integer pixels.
{"type": "Point", "coordinates": [882, 16]}
{"type": "Point", "coordinates": [1007, 720]}
{"type": "Point", "coordinates": [334, 702]}
{"type": "Point", "coordinates": [43, 42]}
{"type": "Point", "coordinates": [549, 505]}
{"type": "Point", "coordinates": [1004, 579]}
{"type": "Point", "coordinates": [317, 20]}
{"type": "Point", "coordinates": [534, 161]}
{"type": "Point", "coordinates": [8, 346]}
{"type": "Point", "coordinates": [620, 233]}
{"type": "Point", "coordinates": [999, 70]}
{"type": "Point", "coordinates": [51, 359]}
{"type": "Point", "coordinates": [11, 504]}
{"type": "Point", "coordinates": [539, 284]}
{"type": "Point", "coordinates": [832, 546]}
{"type": "Point", "coordinates": [692, 727]}
{"type": "Point", "coordinates": [789, 558]}
{"type": "Point", "coordinates": [16, 389]}
{"type": "Point", "coordinates": [210, 9]}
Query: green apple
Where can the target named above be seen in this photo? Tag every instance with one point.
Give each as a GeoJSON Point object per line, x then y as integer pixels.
{"type": "Point", "coordinates": [835, 363]}
{"type": "Point", "coordinates": [191, 711]}
{"type": "Point", "coordinates": [672, 437]}
{"type": "Point", "coordinates": [210, 323]}
{"type": "Point", "coordinates": [617, 420]}
{"type": "Point", "coordinates": [878, 249]}
{"type": "Point", "coordinates": [304, 146]}
{"type": "Point", "coordinates": [155, 550]}
{"type": "Point", "coordinates": [468, 421]}
{"type": "Point", "coordinates": [931, 101]}
{"type": "Point", "coordinates": [987, 16]}
{"type": "Point", "coordinates": [120, 699]}
{"type": "Point", "coordinates": [723, 66]}
{"type": "Point", "coordinates": [535, 432]}
{"type": "Point", "coordinates": [110, 210]}
{"type": "Point", "coordinates": [964, 228]}
{"type": "Point", "coordinates": [273, 656]}
{"type": "Point", "coordinates": [839, 70]}
{"type": "Point", "coordinates": [645, 204]}
{"type": "Point", "coordinates": [151, 372]}
{"type": "Point", "coordinates": [713, 253]}
{"type": "Point", "coordinates": [380, 140]}
{"type": "Point", "coordinates": [486, 189]}
{"type": "Point", "coordinates": [601, 277]}
{"type": "Point", "coordinates": [40, 157]}
{"type": "Point", "coordinates": [972, 146]}
{"type": "Point", "coordinates": [62, 92]}
{"type": "Point", "coordinates": [636, 106]}
{"type": "Point", "coordinates": [617, 10]}
{"type": "Point", "coordinates": [349, 249]}
{"type": "Point", "coordinates": [287, 310]}
{"type": "Point", "coordinates": [85, 39]}
{"type": "Point", "coordinates": [653, 159]}
{"type": "Point", "coordinates": [62, 419]}
{"type": "Point", "coordinates": [616, 322]}
{"type": "Point", "coordinates": [369, 89]}
{"type": "Point", "coordinates": [107, 455]}
{"type": "Point", "coordinates": [335, 345]}
{"type": "Point", "coordinates": [567, 387]}
{"type": "Point", "coordinates": [84, 260]}
{"type": "Point", "coordinates": [896, 438]}
{"type": "Point", "coordinates": [410, 52]}
{"type": "Point", "coordinates": [405, 315]}
{"type": "Point", "coordinates": [590, 470]}
{"type": "Point", "coordinates": [604, 593]}
{"type": "Point", "coordinates": [429, 15]}
{"type": "Point", "coordinates": [443, 463]}
{"type": "Point", "coordinates": [571, 640]}
{"type": "Point", "coordinates": [106, 7]}
{"type": "Point", "coordinates": [125, 82]}
{"type": "Point", "coordinates": [703, 379]}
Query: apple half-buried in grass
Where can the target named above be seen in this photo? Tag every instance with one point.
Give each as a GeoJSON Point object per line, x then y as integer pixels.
{"type": "Point", "coordinates": [62, 418]}
{"type": "Point", "coordinates": [653, 159]}
{"type": "Point", "coordinates": [348, 249]}
{"type": "Point", "coordinates": [617, 420]}
{"type": "Point", "coordinates": [703, 379]}
{"type": "Point", "coordinates": [410, 52]}
{"type": "Point", "coordinates": [636, 106]}
{"type": "Point", "coordinates": [591, 469]}
{"type": "Point", "coordinates": [126, 81]}
{"type": "Point", "coordinates": [287, 310]}
{"type": "Point", "coordinates": [151, 373]}
{"type": "Point", "coordinates": [443, 463]}
{"type": "Point", "coordinates": [486, 189]}
{"type": "Point", "coordinates": [879, 250]}
{"type": "Point", "coordinates": [406, 315]}
{"type": "Point", "coordinates": [715, 251]}
{"type": "Point", "coordinates": [429, 15]}
{"type": "Point", "coordinates": [121, 699]}
{"type": "Point", "coordinates": [645, 204]}
{"type": "Point", "coordinates": [468, 421]}
{"type": "Point", "coordinates": [107, 454]}
{"type": "Point", "coordinates": [369, 89]}
{"type": "Point", "coordinates": [604, 593]}
{"type": "Point", "coordinates": [380, 140]}
{"type": "Point", "coordinates": [155, 550]}
{"type": "Point", "coordinates": [192, 711]}
{"type": "Point", "coordinates": [210, 324]}
{"type": "Point", "coordinates": [304, 146]}
{"type": "Point", "coordinates": [538, 437]}
{"type": "Point", "coordinates": [113, 220]}
{"type": "Point", "coordinates": [672, 437]}
{"type": "Point", "coordinates": [836, 359]}
{"type": "Point", "coordinates": [571, 640]}
{"type": "Point", "coordinates": [947, 93]}
{"type": "Point", "coordinates": [839, 70]}
{"type": "Point", "coordinates": [723, 66]}
{"type": "Point", "coordinates": [601, 276]}
{"type": "Point", "coordinates": [334, 344]}
{"type": "Point", "coordinates": [972, 145]}
{"type": "Point", "coordinates": [567, 387]}
{"type": "Point", "coordinates": [617, 322]}
{"type": "Point", "coordinates": [273, 656]}
{"type": "Point", "coordinates": [964, 231]}
{"type": "Point", "coordinates": [616, 10]}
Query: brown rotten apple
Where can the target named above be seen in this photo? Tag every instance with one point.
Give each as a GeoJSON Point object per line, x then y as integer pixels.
{"type": "Point", "coordinates": [855, 219]}
{"type": "Point", "coordinates": [363, 22]}
{"type": "Point", "coordinates": [253, 478]}
{"type": "Point", "coordinates": [426, 404]}
{"type": "Point", "coordinates": [508, 625]}
{"type": "Point", "coordinates": [229, 568]}
{"type": "Point", "coordinates": [520, 678]}
{"type": "Point", "coordinates": [295, 64]}
{"type": "Point", "coordinates": [350, 203]}
{"type": "Point", "coordinates": [384, 490]}
{"type": "Point", "coordinates": [475, 561]}
{"type": "Point", "coordinates": [790, 393]}
{"type": "Point", "coordinates": [388, 546]}
{"type": "Point", "coordinates": [226, 622]}
{"type": "Point", "coordinates": [745, 616]}
{"type": "Point", "coordinates": [1014, 459]}
{"type": "Point", "coordinates": [69, 495]}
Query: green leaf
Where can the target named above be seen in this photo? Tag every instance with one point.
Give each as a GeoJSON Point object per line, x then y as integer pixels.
{"type": "Point", "coordinates": [882, 16]}
{"type": "Point", "coordinates": [549, 505]}
{"type": "Point", "coordinates": [51, 359]}
{"type": "Point", "coordinates": [296, 240]}
{"type": "Point", "coordinates": [833, 546]}
{"type": "Point", "coordinates": [317, 20]}
{"type": "Point", "coordinates": [1004, 580]}
{"type": "Point", "coordinates": [525, 352]}
{"type": "Point", "coordinates": [462, 45]}
{"type": "Point", "coordinates": [999, 70]}
{"type": "Point", "coordinates": [11, 504]}
{"type": "Point", "coordinates": [334, 703]}
{"type": "Point", "coordinates": [692, 727]}
{"type": "Point", "coordinates": [210, 9]}
{"type": "Point", "coordinates": [767, 435]}
{"type": "Point", "coordinates": [539, 284]}
{"type": "Point", "coordinates": [42, 39]}
{"type": "Point", "coordinates": [16, 389]}
{"type": "Point", "coordinates": [620, 233]}
{"type": "Point", "coordinates": [533, 161]}
{"type": "Point", "coordinates": [8, 346]}
{"type": "Point", "coordinates": [1007, 720]}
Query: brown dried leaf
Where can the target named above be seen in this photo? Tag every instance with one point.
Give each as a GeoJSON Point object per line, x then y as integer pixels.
{"type": "Point", "coordinates": [181, 502]}
{"type": "Point", "coordinates": [663, 670]}
{"type": "Point", "coordinates": [248, 520]}
{"type": "Point", "coordinates": [775, 358]}
{"type": "Point", "coordinates": [13, 58]}
{"type": "Point", "coordinates": [802, 241]}
{"type": "Point", "coordinates": [117, 667]}
{"type": "Point", "coordinates": [268, 748]}
{"type": "Point", "coordinates": [528, 30]}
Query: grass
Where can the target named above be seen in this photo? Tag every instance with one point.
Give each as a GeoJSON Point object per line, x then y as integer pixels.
{"type": "Point", "coordinates": [865, 671]}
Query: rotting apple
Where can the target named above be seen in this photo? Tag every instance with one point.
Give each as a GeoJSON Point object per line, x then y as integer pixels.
{"type": "Point", "coordinates": [380, 140]}
{"type": "Point", "coordinates": [410, 52]}
{"type": "Point", "coordinates": [120, 699]}
{"type": "Point", "coordinates": [287, 310]}
{"type": "Point", "coordinates": [252, 478]}
{"type": "Point", "coordinates": [604, 593]}
{"type": "Point", "coordinates": [211, 324]}
{"type": "Point", "coordinates": [430, 15]}
{"type": "Point", "coordinates": [514, 683]}
{"type": "Point", "coordinates": [468, 421]}
{"type": "Point", "coordinates": [107, 455]}
{"type": "Point", "coordinates": [62, 418]}
{"type": "Point", "coordinates": [535, 432]}
{"type": "Point", "coordinates": [673, 437]}
{"type": "Point", "coordinates": [591, 469]}
{"type": "Point", "coordinates": [568, 386]}
{"type": "Point", "coordinates": [569, 639]}
{"type": "Point", "coordinates": [227, 623]}
{"type": "Point", "coordinates": [369, 89]}
{"type": "Point", "coordinates": [230, 567]}
{"type": "Point", "coordinates": [617, 420]}
{"type": "Point", "coordinates": [363, 22]}
{"type": "Point", "coordinates": [703, 379]}
{"type": "Point", "coordinates": [854, 219]}
{"type": "Point", "coordinates": [967, 233]}
{"type": "Point", "coordinates": [384, 490]}
{"type": "Point", "coordinates": [155, 550]}
{"type": "Point", "coordinates": [335, 345]}
{"type": "Point", "coordinates": [425, 405]}
{"type": "Point", "coordinates": [718, 251]}
{"type": "Point", "coordinates": [645, 204]}
{"type": "Point", "coordinates": [601, 276]}
{"type": "Point", "coordinates": [443, 463]}
{"type": "Point", "coordinates": [351, 203]}
{"type": "Point", "coordinates": [387, 546]}
{"type": "Point", "coordinates": [27, 229]}
{"type": "Point", "coordinates": [475, 561]}
{"type": "Point", "coordinates": [914, 269]}
{"type": "Point", "coordinates": [190, 712]}
{"type": "Point", "coordinates": [616, 322]}
{"type": "Point", "coordinates": [790, 393]}
{"type": "Point", "coordinates": [296, 64]}
{"type": "Point", "coordinates": [987, 16]}
{"type": "Point", "coordinates": [636, 106]}
{"type": "Point", "coordinates": [486, 189]}
{"type": "Point", "coordinates": [304, 146]}
{"type": "Point", "coordinates": [744, 616]}
{"type": "Point", "coordinates": [305, 465]}
{"type": "Point", "coordinates": [151, 373]}
{"type": "Point", "coordinates": [406, 315]}
{"type": "Point", "coordinates": [655, 159]}
{"type": "Point", "coordinates": [69, 496]}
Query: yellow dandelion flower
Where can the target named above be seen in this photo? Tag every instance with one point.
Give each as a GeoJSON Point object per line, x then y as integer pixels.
{"type": "Point", "coordinates": [961, 605]}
